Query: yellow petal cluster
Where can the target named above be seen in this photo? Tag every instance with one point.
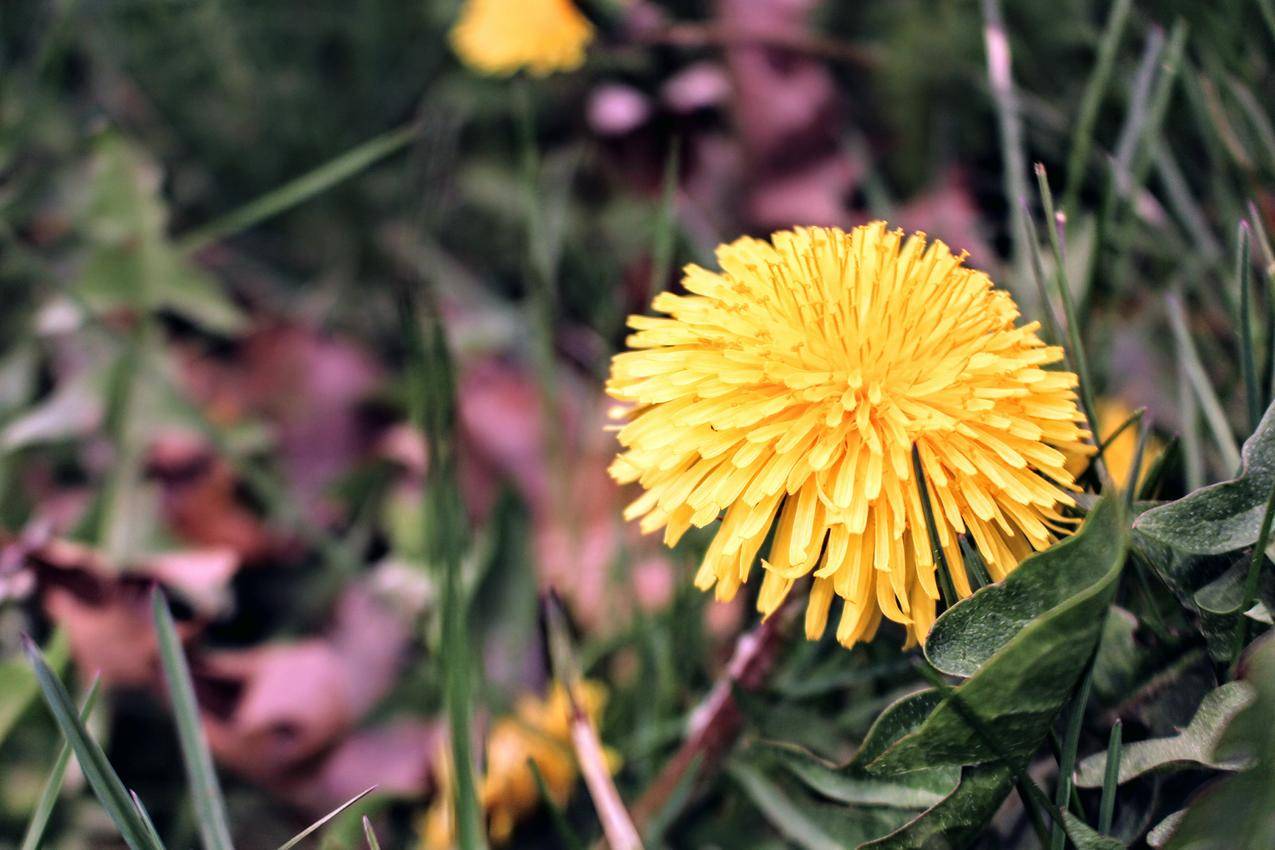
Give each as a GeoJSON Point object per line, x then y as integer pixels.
{"type": "Point", "coordinates": [501, 37]}
{"type": "Point", "coordinates": [783, 397]}
{"type": "Point", "coordinates": [540, 731]}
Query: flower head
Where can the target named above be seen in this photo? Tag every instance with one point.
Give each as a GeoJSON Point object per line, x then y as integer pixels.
{"type": "Point", "coordinates": [786, 393]}
{"type": "Point", "coordinates": [540, 731]}
{"type": "Point", "coordinates": [503, 36]}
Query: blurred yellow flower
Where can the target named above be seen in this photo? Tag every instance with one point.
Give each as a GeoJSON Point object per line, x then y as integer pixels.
{"type": "Point", "coordinates": [786, 393]}
{"type": "Point", "coordinates": [504, 36]}
{"type": "Point", "coordinates": [539, 730]}
{"type": "Point", "coordinates": [1112, 413]}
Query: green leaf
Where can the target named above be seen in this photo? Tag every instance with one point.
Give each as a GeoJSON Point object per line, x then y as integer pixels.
{"type": "Point", "coordinates": [852, 784]}
{"type": "Point", "coordinates": [806, 822]}
{"type": "Point", "coordinates": [959, 818]}
{"type": "Point", "coordinates": [1024, 643]}
{"type": "Point", "coordinates": [205, 792]}
{"type": "Point", "coordinates": [18, 685]}
{"type": "Point", "coordinates": [131, 263]}
{"type": "Point", "coordinates": [1186, 540]}
{"type": "Point", "coordinates": [101, 776]}
{"type": "Point", "coordinates": [1225, 594]}
{"type": "Point", "coordinates": [1244, 803]}
{"type": "Point", "coordinates": [1085, 837]}
{"type": "Point", "coordinates": [1194, 746]}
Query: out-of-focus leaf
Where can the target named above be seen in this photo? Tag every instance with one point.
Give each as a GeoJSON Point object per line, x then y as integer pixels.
{"type": "Point", "coordinates": [18, 684]}
{"type": "Point", "coordinates": [1116, 666]}
{"type": "Point", "coordinates": [1196, 746]}
{"type": "Point", "coordinates": [131, 263]}
{"type": "Point", "coordinates": [1244, 803]}
{"type": "Point", "coordinates": [1024, 642]}
{"type": "Point", "coordinates": [1186, 540]}
{"type": "Point", "coordinates": [808, 823]}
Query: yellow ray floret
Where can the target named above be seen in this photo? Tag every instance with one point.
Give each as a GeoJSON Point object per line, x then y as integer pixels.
{"type": "Point", "coordinates": [784, 395]}
{"type": "Point", "coordinates": [502, 37]}
{"type": "Point", "coordinates": [539, 731]}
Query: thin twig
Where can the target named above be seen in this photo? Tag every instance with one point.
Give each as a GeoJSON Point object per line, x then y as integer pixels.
{"type": "Point", "coordinates": [717, 721]}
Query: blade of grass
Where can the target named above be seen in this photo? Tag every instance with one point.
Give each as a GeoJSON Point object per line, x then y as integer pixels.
{"type": "Point", "coordinates": [1248, 353]}
{"type": "Point", "coordinates": [370, 834]}
{"type": "Point", "coordinates": [106, 784]}
{"type": "Point", "coordinates": [20, 686]}
{"type": "Point", "coordinates": [1192, 450]}
{"type": "Point", "coordinates": [1091, 100]}
{"type": "Point", "coordinates": [946, 585]}
{"type": "Point", "coordinates": [566, 834]}
{"type": "Point", "coordinates": [1052, 325]}
{"type": "Point", "coordinates": [1201, 385]}
{"type": "Point", "coordinates": [1077, 354]}
{"type": "Point", "coordinates": [301, 189]}
{"type": "Point", "coordinates": [318, 824]}
{"type": "Point", "coordinates": [1268, 14]}
{"type": "Point", "coordinates": [140, 807]}
{"type": "Point", "coordinates": [1268, 264]}
{"type": "Point", "coordinates": [1155, 475]}
{"type": "Point", "coordinates": [1183, 202]}
{"type": "Point", "coordinates": [1067, 759]}
{"type": "Point", "coordinates": [1110, 779]}
{"type": "Point", "coordinates": [205, 791]}
{"type": "Point", "coordinates": [53, 785]}
{"type": "Point", "coordinates": [1010, 126]}
{"type": "Point", "coordinates": [433, 410]}
{"type": "Point", "coordinates": [662, 244]}
{"type": "Point", "coordinates": [1254, 573]}
{"type": "Point", "coordinates": [1135, 469]}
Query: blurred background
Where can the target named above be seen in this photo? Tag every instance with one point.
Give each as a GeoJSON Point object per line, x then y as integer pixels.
{"type": "Point", "coordinates": [210, 211]}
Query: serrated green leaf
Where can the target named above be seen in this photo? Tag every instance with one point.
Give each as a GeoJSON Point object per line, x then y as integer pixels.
{"type": "Point", "coordinates": [1024, 642]}
{"type": "Point", "coordinates": [1195, 746]}
{"type": "Point", "coordinates": [1186, 540]}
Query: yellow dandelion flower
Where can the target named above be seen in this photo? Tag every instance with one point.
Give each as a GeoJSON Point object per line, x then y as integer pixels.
{"type": "Point", "coordinates": [1118, 456]}
{"type": "Point", "coordinates": [785, 395]}
{"type": "Point", "coordinates": [501, 37]}
{"type": "Point", "coordinates": [539, 730]}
